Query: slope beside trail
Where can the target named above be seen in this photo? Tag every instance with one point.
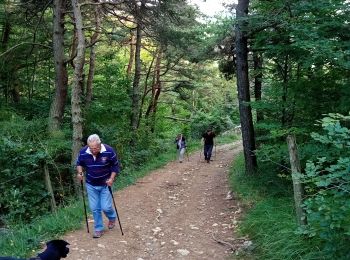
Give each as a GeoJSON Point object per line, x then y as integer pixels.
{"type": "Point", "coordinates": [180, 211]}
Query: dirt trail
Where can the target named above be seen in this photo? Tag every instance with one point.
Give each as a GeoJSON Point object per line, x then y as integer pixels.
{"type": "Point", "coordinates": [176, 212]}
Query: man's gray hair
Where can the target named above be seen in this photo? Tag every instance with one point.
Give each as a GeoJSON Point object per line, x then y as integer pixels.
{"type": "Point", "coordinates": [93, 139]}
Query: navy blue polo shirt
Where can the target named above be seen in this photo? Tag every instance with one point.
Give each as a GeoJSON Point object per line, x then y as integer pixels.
{"type": "Point", "coordinates": [98, 169]}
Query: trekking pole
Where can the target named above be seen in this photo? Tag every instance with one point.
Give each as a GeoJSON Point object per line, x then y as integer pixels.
{"type": "Point", "coordinates": [116, 211]}
{"type": "Point", "coordinates": [215, 151]}
{"type": "Point", "coordinates": [86, 218]}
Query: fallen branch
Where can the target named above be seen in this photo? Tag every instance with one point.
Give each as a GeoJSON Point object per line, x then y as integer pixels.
{"type": "Point", "coordinates": [177, 119]}
{"type": "Point", "coordinates": [223, 242]}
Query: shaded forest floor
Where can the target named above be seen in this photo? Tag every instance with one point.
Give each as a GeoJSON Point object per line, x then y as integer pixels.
{"type": "Point", "coordinates": [180, 211]}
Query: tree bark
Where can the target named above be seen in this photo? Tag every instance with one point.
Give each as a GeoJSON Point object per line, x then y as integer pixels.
{"type": "Point", "coordinates": [49, 188]}
{"type": "Point", "coordinates": [156, 90]}
{"type": "Point", "coordinates": [145, 89]}
{"type": "Point", "coordinates": [246, 119]}
{"type": "Point", "coordinates": [4, 76]}
{"type": "Point", "coordinates": [89, 83]}
{"type": "Point", "coordinates": [258, 83]}
{"type": "Point", "coordinates": [285, 76]}
{"type": "Point", "coordinates": [5, 36]}
{"type": "Point", "coordinates": [297, 185]}
{"type": "Point", "coordinates": [132, 53]}
{"type": "Point", "coordinates": [136, 84]}
{"type": "Point", "coordinates": [77, 85]}
{"type": "Point", "coordinates": [61, 76]}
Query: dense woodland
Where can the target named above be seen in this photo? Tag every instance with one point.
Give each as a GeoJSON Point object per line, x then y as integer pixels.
{"type": "Point", "coordinates": [139, 72]}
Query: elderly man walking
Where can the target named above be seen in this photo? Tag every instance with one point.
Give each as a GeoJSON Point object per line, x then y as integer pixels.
{"type": "Point", "coordinates": [100, 164]}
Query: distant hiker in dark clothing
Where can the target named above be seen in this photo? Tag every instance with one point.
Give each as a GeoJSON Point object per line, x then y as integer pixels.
{"type": "Point", "coordinates": [180, 141]}
{"type": "Point", "coordinates": [208, 138]}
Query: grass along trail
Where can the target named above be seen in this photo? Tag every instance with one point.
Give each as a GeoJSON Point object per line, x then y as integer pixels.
{"type": "Point", "coordinates": [179, 211]}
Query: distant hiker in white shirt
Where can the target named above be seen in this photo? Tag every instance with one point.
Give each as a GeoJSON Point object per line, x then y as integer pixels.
{"type": "Point", "coordinates": [180, 141]}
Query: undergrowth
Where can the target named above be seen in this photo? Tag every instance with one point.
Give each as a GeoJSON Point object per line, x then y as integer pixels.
{"type": "Point", "coordinates": [269, 218]}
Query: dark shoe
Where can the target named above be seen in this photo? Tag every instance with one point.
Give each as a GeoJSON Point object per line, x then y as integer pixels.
{"type": "Point", "coordinates": [97, 234]}
{"type": "Point", "coordinates": [208, 161]}
{"type": "Point", "coordinates": [111, 224]}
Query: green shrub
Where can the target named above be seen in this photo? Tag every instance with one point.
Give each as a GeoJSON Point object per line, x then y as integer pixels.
{"type": "Point", "coordinates": [327, 182]}
{"type": "Point", "coordinates": [269, 219]}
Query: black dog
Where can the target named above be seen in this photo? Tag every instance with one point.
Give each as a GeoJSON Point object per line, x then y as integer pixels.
{"type": "Point", "coordinates": [55, 250]}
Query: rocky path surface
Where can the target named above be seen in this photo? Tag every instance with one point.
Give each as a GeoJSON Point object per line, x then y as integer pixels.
{"type": "Point", "coordinates": [180, 211]}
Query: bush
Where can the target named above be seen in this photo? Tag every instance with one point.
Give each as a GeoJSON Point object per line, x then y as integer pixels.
{"type": "Point", "coordinates": [327, 182]}
{"type": "Point", "coordinates": [25, 147]}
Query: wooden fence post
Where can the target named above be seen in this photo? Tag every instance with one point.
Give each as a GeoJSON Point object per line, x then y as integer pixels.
{"type": "Point", "coordinates": [49, 188]}
{"type": "Point", "coordinates": [297, 185]}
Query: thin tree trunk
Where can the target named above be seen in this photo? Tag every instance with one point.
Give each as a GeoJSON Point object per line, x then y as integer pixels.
{"type": "Point", "coordinates": [285, 90]}
{"type": "Point", "coordinates": [132, 53]}
{"type": "Point", "coordinates": [136, 84]}
{"type": "Point", "coordinates": [258, 83]}
{"type": "Point", "coordinates": [154, 86]}
{"type": "Point", "coordinates": [145, 90]}
{"type": "Point", "coordinates": [89, 83]}
{"type": "Point", "coordinates": [32, 82]}
{"type": "Point", "coordinates": [5, 37]}
{"type": "Point", "coordinates": [77, 119]}
{"type": "Point", "coordinates": [156, 90]}
{"type": "Point", "coordinates": [243, 86]}
{"type": "Point", "coordinates": [15, 92]}
{"type": "Point", "coordinates": [297, 185]}
{"type": "Point", "coordinates": [49, 188]}
{"type": "Point", "coordinates": [61, 76]}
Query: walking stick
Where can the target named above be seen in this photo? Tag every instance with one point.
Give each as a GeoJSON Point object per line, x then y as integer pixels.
{"type": "Point", "coordinates": [86, 219]}
{"type": "Point", "coordinates": [116, 211]}
{"type": "Point", "coordinates": [215, 151]}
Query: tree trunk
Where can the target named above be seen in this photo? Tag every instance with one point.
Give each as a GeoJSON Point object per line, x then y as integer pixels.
{"type": "Point", "coordinates": [146, 90]}
{"type": "Point", "coordinates": [77, 85]}
{"type": "Point", "coordinates": [258, 83]}
{"type": "Point", "coordinates": [243, 86]}
{"type": "Point", "coordinates": [297, 185]}
{"type": "Point", "coordinates": [61, 76]}
{"type": "Point", "coordinates": [49, 188]}
{"type": "Point", "coordinates": [5, 36]}
{"type": "Point", "coordinates": [156, 90]}
{"type": "Point", "coordinates": [132, 53]}
{"type": "Point", "coordinates": [15, 91]}
{"type": "Point", "coordinates": [285, 90]}
{"type": "Point", "coordinates": [89, 83]}
{"type": "Point", "coordinates": [4, 74]}
{"type": "Point", "coordinates": [135, 107]}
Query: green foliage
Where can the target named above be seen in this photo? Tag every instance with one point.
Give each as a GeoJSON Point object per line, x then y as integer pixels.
{"type": "Point", "coordinates": [304, 70]}
{"type": "Point", "coordinates": [109, 113]}
{"type": "Point", "coordinates": [269, 219]}
{"type": "Point", "coordinates": [23, 238]}
{"type": "Point", "coordinates": [215, 120]}
{"type": "Point", "coordinates": [25, 147]}
{"type": "Point", "coordinates": [327, 184]}
{"type": "Point", "coordinates": [21, 162]}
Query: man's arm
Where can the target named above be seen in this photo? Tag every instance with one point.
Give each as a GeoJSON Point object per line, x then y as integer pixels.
{"type": "Point", "coordinates": [114, 169]}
